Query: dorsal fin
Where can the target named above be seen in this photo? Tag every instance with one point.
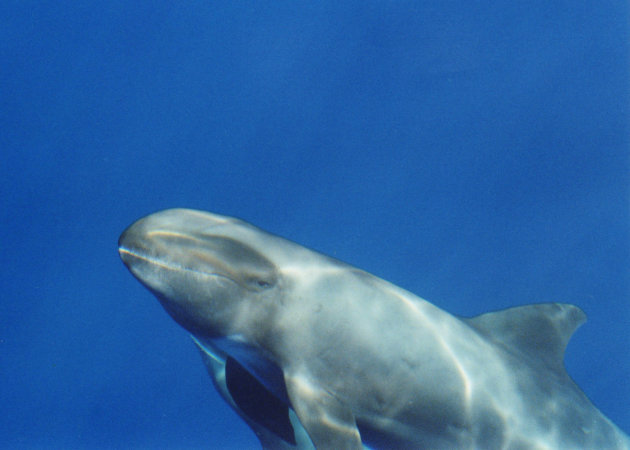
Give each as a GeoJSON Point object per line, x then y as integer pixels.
{"type": "Point", "coordinates": [541, 331]}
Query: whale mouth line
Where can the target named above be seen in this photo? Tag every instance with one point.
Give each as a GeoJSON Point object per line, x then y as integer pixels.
{"type": "Point", "coordinates": [125, 252]}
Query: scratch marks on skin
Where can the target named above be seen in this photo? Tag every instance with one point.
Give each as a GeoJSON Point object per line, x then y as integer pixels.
{"type": "Point", "coordinates": [318, 404]}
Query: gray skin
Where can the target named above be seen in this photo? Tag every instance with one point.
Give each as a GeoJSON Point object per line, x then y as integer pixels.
{"type": "Point", "coordinates": [364, 361]}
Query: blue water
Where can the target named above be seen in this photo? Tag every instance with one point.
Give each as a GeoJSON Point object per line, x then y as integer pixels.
{"type": "Point", "coordinates": [475, 155]}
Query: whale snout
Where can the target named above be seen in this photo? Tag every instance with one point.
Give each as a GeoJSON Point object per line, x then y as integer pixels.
{"type": "Point", "coordinates": [154, 235]}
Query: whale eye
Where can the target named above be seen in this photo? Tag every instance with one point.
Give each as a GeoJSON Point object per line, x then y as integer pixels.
{"type": "Point", "coordinates": [263, 283]}
{"type": "Point", "coordinates": [258, 283]}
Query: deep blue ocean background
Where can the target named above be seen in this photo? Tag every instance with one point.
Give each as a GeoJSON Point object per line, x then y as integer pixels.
{"type": "Point", "coordinates": [475, 153]}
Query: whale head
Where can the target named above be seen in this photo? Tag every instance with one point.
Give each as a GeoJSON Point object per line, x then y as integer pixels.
{"type": "Point", "coordinates": [205, 269]}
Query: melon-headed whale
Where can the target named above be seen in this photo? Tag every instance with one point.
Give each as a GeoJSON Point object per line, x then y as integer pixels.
{"type": "Point", "coordinates": [312, 351]}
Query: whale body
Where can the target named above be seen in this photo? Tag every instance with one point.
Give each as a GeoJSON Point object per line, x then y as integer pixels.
{"type": "Point", "coordinates": [311, 351]}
